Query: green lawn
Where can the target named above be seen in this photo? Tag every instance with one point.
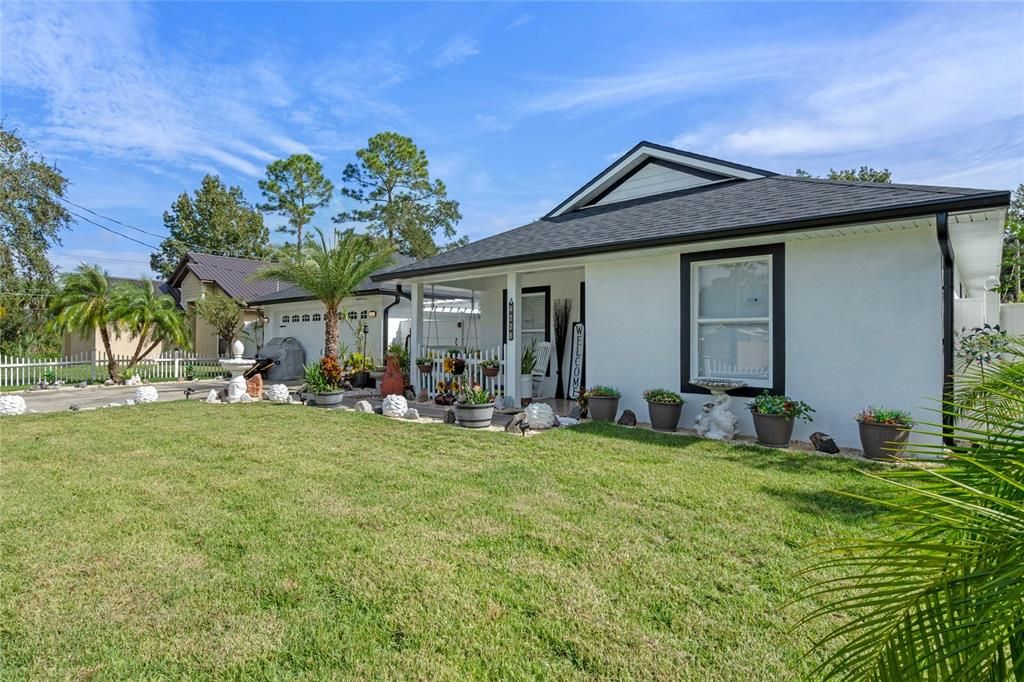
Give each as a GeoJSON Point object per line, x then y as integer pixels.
{"type": "Point", "coordinates": [153, 542]}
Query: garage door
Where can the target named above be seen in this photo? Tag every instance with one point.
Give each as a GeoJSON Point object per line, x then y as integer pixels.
{"type": "Point", "coordinates": [307, 327]}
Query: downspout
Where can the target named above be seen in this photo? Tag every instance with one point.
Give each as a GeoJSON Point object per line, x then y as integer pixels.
{"type": "Point", "coordinates": [384, 322]}
{"type": "Point", "coordinates": [946, 249]}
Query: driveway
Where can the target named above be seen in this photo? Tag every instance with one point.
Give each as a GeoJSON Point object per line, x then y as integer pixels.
{"type": "Point", "coordinates": [58, 400]}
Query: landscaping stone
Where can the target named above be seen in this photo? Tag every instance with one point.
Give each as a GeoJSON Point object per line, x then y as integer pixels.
{"type": "Point", "coordinates": [74, 407]}
{"type": "Point", "coordinates": [129, 402]}
{"type": "Point", "coordinates": [277, 393]}
{"type": "Point", "coordinates": [567, 421]}
{"type": "Point", "coordinates": [246, 398]}
{"type": "Point", "coordinates": [108, 382]}
{"type": "Point", "coordinates": [423, 396]}
{"type": "Point", "coordinates": [412, 413]}
{"type": "Point", "coordinates": [211, 397]}
{"type": "Point", "coordinates": [575, 412]}
{"type": "Point", "coordinates": [12, 405]}
{"type": "Point", "coordinates": [146, 394]}
{"type": "Point", "coordinates": [114, 405]}
{"type": "Point", "coordinates": [520, 424]}
{"type": "Point", "coordinates": [823, 443]}
{"type": "Point", "coordinates": [135, 380]}
{"type": "Point", "coordinates": [410, 394]}
{"type": "Point", "coordinates": [81, 384]}
{"type": "Point", "coordinates": [394, 406]}
{"type": "Point", "coordinates": [378, 410]}
{"type": "Point", "coordinates": [449, 416]}
{"type": "Point", "coordinates": [254, 387]}
{"type": "Point", "coordinates": [540, 416]}
{"type": "Point", "coordinates": [628, 418]}
{"type": "Point", "coordinates": [364, 406]}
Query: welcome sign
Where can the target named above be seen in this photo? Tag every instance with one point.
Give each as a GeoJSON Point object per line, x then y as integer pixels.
{"type": "Point", "coordinates": [576, 360]}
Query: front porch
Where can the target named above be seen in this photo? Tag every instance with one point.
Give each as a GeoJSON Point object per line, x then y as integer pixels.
{"type": "Point", "coordinates": [512, 311]}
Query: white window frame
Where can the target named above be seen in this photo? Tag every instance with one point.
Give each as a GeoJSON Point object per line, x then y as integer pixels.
{"type": "Point", "coordinates": [695, 319]}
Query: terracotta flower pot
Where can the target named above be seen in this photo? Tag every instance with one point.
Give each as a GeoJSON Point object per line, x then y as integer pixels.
{"type": "Point", "coordinates": [882, 441]}
{"type": "Point", "coordinates": [664, 416]}
{"type": "Point", "coordinates": [425, 368]}
{"type": "Point", "coordinates": [474, 416]}
{"type": "Point", "coordinates": [602, 408]}
{"type": "Point", "coordinates": [773, 430]}
{"type": "Point", "coordinates": [489, 371]}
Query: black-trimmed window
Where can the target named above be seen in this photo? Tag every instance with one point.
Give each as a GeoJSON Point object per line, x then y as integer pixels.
{"type": "Point", "coordinates": [534, 315]}
{"type": "Point", "coordinates": [733, 318]}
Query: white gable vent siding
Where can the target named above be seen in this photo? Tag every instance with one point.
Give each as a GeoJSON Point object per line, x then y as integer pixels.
{"type": "Point", "coordinates": [656, 178]}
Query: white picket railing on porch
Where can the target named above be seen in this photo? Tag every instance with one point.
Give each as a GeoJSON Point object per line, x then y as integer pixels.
{"type": "Point", "coordinates": [92, 366]}
{"type": "Point", "coordinates": [473, 374]}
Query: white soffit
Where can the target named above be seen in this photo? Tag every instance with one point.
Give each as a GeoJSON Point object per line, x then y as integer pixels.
{"type": "Point", "coordinates": [977, 241]}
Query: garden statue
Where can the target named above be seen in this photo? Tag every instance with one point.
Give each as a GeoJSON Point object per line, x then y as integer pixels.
{"type": "Point", "coordinates": [716, 420]}
{"type": "Point", "coordinates": [393, 382]}
{"type": "Point", "coordinates": [236, 367]}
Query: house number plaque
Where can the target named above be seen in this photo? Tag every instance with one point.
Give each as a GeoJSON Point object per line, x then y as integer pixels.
{"type": "Point", "coordinates": [511, 320]}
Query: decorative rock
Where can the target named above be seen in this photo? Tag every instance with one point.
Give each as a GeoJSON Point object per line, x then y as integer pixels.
{"type": "Point", "coordinates": [540, 416]}
{"type": "Point", "coordinates": [378, 410]}
{"type": "Point", "coordinates": [394, 405]}
{"type": "Point", "coordinates": [129, 402]}
{"type": "Point", "coordinates": [277, 393]}
{"type": "Point", "coordinates": [409, 394]}
{"type": "Point", "coordinates": [134, 380]}
{"type": "Point", "coordinates": [824, 443]}
{"type": "Point", "coordinates": [114, 405]}
{"type": "Point", "coordinates": [74, 407]}
{"type": "Point", "coordinates": [246, 398]}
{"type": "Point", "coordinates": [108, 382]}
{"type": "Point", "coordinates": [567, 421]}
{"type": "Point", "coordinates": [412, 413]}
{"type": "Point", "coordinates": [146, 394]}
{"type": "Point", "coordinates": [11, 405]}
{"type": "Point", "coordinates": [449, 416]}
{"type": "Point", "coordinates": [364, 406]}
{"type": "Point", "coordinates": [81, 384]}
{"type": "Point", "coordinates": [423, 396]}
{"type": "Point", "coordinates": [519, 424]}
{"type": "Point", "coordinates": [628, 418]}
{"type": "Point", "coordinates": [254, 387]}
{"type": "Point", "coordinates": [575, 412]}
{"type": "Point", "coordinates": [211, 397]}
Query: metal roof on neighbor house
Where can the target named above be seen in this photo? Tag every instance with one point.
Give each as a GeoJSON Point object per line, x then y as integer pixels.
{"type": "Point", "coordinates": [722, 209]}
{"type": "Point", "coordinates": [366, 287]}
{"type": "Point", "coordinates": [229, 273]}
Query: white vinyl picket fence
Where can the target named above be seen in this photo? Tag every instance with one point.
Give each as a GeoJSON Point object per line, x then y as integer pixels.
{"type": "Point", "coordinates": [473, 373]}
{"type": "Point", "coordinates": [92, 366]}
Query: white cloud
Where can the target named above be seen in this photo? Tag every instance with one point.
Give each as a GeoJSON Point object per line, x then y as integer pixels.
{"type": "Point", "coordinates": [521, 20]}
{"type": "Point", "coordinates": [457, 50]}
{"type": "Point", "coordinates": [491, 123]}
{"type": "Point", "coordinates": [108, 92]}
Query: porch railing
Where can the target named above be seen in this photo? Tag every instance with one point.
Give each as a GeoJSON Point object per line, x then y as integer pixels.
{"type": "Point", "coordinates": [473, 374]}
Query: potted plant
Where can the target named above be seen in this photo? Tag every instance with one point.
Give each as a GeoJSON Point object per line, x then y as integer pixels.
{"type": "Point", "coordinates": [474, 408]}
{"type": "Point", "coordinates": [665, 408]}
{"type": "Point", "coordinates": [325, 381]}
{"type": "Point", "coordinates": [602, 403]}
{"type": "Point", "coordinates": [490, 367]}
{"type": "Point", "coordinates": [774, 417]}
{"type": "Point", "coordinates": [425, 364]}
{"type": "Point", "coordinates": [527, 363]}
{"type": "Point", "coordinates": [378, 371]}
{"type": "Point", "coordinates": [883, 431]}
{"type": "Point", "coordinates": [359, 365]}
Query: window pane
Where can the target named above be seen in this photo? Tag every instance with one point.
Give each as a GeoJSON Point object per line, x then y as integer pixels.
{"type": "Point", "coordinates": [529, 337]}
{"type": "Point", "coordinates": [732, 351]}
{"type": "Point", "coordinates": [728, 290]}
{"type": "Point", "coordinates": [533, 312]}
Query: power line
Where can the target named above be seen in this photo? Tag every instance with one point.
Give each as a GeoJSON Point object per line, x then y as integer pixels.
{"type": "Point", "coordinates": [113, 231]}
{"type": "Point", "coordinates": [113, 220]}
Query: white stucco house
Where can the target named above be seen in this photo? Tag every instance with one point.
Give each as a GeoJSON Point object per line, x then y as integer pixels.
{"type": "Point", "coordinates": [681, 266]}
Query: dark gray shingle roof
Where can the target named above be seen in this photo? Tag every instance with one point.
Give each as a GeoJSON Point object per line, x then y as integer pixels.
{"type": "Point", "coordinates": [768, 204]}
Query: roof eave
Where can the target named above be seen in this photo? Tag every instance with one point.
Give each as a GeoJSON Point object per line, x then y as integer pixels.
{"type": "Point", "coordinates": [987, 200]}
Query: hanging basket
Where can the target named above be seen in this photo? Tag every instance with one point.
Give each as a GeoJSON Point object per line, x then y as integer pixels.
{"type": "Point", "coordinates": [426, 368]}
{"type": "Point", "coordinates": [458, 366]}
{"type": "Point", "coordinates": [489, 371]}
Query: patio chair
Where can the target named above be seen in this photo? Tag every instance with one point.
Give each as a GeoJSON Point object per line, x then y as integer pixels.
{"type": "Point", "coordinates": [540, 370]}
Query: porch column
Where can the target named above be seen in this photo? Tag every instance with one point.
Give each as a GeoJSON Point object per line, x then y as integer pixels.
{"type": "Point", "coordinates": [416, 333]}
{"type": "Point", "coordinates": [513, 336]}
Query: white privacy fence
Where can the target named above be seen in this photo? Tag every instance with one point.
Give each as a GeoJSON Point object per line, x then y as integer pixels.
{"type": "Point", "coordinates": [92, 366]}
{"type": "Point", "coordinates": [472, 374]}
{"type": "Point", "coordinates": [1011, 318]}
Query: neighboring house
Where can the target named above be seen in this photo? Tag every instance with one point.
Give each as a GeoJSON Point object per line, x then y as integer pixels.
{"type": "Point", "coordinates": [383, 311]}
{"type": "Point", "coordinates": [120, 345]}
{"type": "Point", "coordinates": [683, 266]}
{"type": "Point", "coordinates": [199, 274]}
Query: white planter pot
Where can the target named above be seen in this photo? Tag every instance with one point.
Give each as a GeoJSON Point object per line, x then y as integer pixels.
{"type": "Point", "coordinates": [526, 386]}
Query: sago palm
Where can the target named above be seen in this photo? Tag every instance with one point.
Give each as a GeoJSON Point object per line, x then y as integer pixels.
{"type": "Point", "coordinates": [83, 305]}
{"type": "Point", "coordinates": [943, 597]}
{"type": "Point", "coordinates": [150, 317]}
{"type": "Point", "coordinates": [331, 272]}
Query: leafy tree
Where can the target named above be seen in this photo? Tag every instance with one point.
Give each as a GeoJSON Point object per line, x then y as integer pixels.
{"type": "Point", "coordinates": [862, 174]}
{"type": "Point", "coordinates": [331, 272]}
{"type": "Point", "coordinates": [402, 204]}
{"type": "Point", "coordinates": [85, 303]}
{"type": "Point", "coordinates": [150, 317]}
{"type": "Point", "coordinates": [31, 220]}
{"type": "Point", "coordinates": [943, 597]}
{"type": "Point", "coordinates": [1011, 280]}
{"type": "Point", "coordinates": [216, 219]}
{"type": "Point", "coordinates": [295, 187]}
{"type": "Point", "coordinates": [222, 313]}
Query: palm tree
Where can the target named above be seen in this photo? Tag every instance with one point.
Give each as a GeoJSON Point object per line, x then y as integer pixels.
{"type": "Point", "coordinates": [331, 272]}
{"type": "Point", "coordinates": [943, 597]}
{"type": "Point", "coordinates": [151, 317]}
{"type": "Point", "coordinates": [84, 304]}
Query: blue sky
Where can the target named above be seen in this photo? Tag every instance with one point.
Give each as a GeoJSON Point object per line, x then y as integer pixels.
{"type": "Point", "coordinates": [517, 105]}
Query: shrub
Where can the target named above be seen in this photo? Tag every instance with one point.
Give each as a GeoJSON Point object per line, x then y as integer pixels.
{"type": "Point", "coordinates": [884, 415]}
{"type": "Point", "coordinates": [781, 406]}
{"type": "Point", "coordinates": [663, 395]}
{"type": "Point", "coordinates": [315, 379]}
{"type": "Point", "coordinates": [332, 371]}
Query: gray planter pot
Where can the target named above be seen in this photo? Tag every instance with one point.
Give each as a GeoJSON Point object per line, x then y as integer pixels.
{"type": "Point", "coordinates": [329, 399]}
{"type": "Point", "coordinates": [882, 441]}
{"type": "Point", "coordinates": [474, 416]}
{"type": "Point", "coordinates": [773, 430]}
{"type": "Point", "coordinates": [602, 409]}
{"type": "Point", "coordinates": [664, 416]}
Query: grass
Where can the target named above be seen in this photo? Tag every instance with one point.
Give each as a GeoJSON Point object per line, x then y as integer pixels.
{"type": "Point", "coordinates": [183, 540]}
